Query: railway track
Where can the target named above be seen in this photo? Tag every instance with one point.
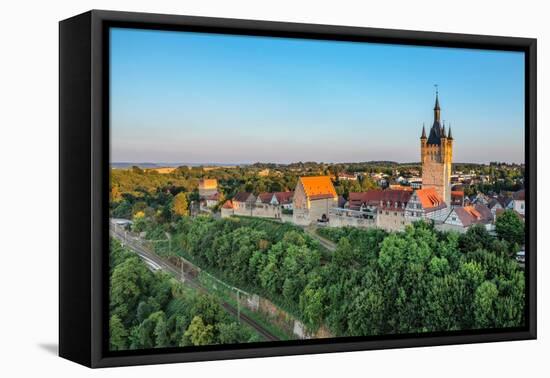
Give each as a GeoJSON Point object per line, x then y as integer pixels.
{"type": "Point", "coordinates": [136, 246]}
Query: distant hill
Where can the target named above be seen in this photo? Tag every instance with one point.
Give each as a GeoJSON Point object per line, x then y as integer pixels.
{"type": "Point", "coordinates": [146, 165]}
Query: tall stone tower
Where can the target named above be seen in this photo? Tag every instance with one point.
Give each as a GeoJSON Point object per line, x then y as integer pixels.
{"type": "Point", "coordinates": [436, 156]}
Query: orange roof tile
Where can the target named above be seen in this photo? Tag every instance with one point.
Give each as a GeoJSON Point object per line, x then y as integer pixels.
{"type": "Point", "coordinates": [473, 212]}
{"type": "Point", "coordinates": [317, 187]}
{"type": "Point", "coordinates": [429, 198]}
{"type": "Point", "coordinates": [228, 204]}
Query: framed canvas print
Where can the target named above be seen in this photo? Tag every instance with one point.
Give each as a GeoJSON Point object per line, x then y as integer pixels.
{"type": "Point", "coordinates": [234, 188]}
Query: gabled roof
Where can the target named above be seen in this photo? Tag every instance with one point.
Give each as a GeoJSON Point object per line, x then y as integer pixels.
{"type": "Point", "coordinates": [484, 212]}
{"type": "Point", "coordinates": [284, 197]}
{"type": "Point", "coordinates": [228, 205]}
{"type": "Point", "coordinates": [469, 215]}
{"type": "Point", "coordinates": [499, 200]}
{"type": "Point", "coordinates": [265, 197]}
{"type": "Point", "coordinates": [466, 217]}
{"type": "Point", "coordinates": [243, 197]}
{"type": "Point", "coordinates": [318, 187]}
{"type": "Point", "coordinates": [430, 199]}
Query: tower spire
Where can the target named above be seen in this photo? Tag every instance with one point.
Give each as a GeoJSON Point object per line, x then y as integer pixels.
{"type": "Point", "coordinates": [437, 109]}
{"type": "Point", "coordinates": [450, 133]}
{"type": "Point", "coordinates": [423, 131]}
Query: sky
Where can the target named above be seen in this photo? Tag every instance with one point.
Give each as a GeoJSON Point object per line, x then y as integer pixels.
{"type": "Point", "coordinates": [182, 97]}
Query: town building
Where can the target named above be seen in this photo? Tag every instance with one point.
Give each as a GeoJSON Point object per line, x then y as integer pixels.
{"type": "Point", "coordinates": [212, 200]}
{"type": "Point", "coordinates": [426, 204]}
{"type": "Point", "coordinates": [207, 187]}
{"type": "Point", "coordinates": [283, 199]}
{"type": "Point", "coordinates": [265, 205]}
{"type": "Point", "coordinates": [314, 196]}
{"type": "Point", "coordinates": [457, 198]}
{"type": "Point", "coordinates": [227, 209]}
{"type": "Point", "coordinates": [243, 203]}
{"type": "Point", "coordinates": [460, 219]}
{"type": "Point", "coordinates": [518, 202]}
{"type": "Point", "coordinates": [264, 208]}
{"type": "Point", "coordinates": [436, 156]}
{"type": "Point", "coordinates": [346, 177]}
{"type": "Point", "coordinates": [498, 203]}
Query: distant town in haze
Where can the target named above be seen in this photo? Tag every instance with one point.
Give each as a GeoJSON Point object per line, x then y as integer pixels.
{"type": "Point", "coordinates": [323, 196]}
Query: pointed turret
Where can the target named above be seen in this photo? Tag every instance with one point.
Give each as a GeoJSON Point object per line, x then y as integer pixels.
{"type": "Point", "coordinates": [443, 135]}
{"type": "Point", "coordinates": [423, 132]}
{"type": "Point", "coordinates": [450, 133]}
{"type": "Point", "coordinates": [437, 109]}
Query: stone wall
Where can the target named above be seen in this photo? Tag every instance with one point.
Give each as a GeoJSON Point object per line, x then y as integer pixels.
{"type": "Point", "coordinates": [282, 319]}
{"type": "Point", "coordinates": [344, 221]}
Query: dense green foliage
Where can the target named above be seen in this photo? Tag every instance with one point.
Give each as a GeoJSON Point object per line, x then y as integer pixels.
{"type": "Point", "coordinates": [510, 227]}
{"type": "Point", "coordinates": [153, 310]}
{"type": "Point", "coordinates": [374, 283]}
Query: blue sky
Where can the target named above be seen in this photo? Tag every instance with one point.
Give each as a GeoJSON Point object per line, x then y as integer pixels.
{"type": "Point", "coordinates": [200, 98]}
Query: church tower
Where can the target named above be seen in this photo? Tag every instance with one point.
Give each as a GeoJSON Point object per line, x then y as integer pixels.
{"type": "Point", "coordinates": [436, 156]}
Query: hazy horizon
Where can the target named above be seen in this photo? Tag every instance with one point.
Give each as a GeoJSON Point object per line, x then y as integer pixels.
{"type": "Point", "coordinates": [175, 164]}
{"type": "Point", "coordinates": [196, 98]}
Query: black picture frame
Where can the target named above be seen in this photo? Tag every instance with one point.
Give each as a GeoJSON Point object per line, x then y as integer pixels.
{"type": "Point", "coordinates": [84, 180]}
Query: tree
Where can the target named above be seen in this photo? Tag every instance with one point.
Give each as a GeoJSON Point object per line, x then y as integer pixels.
{"type": "Point", "coordinates": [160, 331]}
{"type": "Point", "coordinates": [199, 333]}
{"type": "Point", "coordinates": [117, 334]}
{"type": "Point", "coordinates": [181, 205]}
{"type": "Point", "coordinates": [129, 281]}
{"type": "Point", "coordinates": [229, 333]}
{"type": "Point", "coordinates": [344, 255]}
{"type": "Point", "coordinates": [139, 223]}
{"type": "Point", "coordinates": [312, 307]}
{"type": "Point", "coordinates": [510, 227]}
{"type": "Point", "coordinates": [485, 305]}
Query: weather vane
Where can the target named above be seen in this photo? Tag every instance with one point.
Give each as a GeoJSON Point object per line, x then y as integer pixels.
{"type": "Point", "coordinates": [436, 88]}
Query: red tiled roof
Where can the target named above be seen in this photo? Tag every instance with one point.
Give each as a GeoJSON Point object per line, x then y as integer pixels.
{"type": "Point", "coordinates": [379, 198]}
{"type": "Point", "coordinates": [228, 204]}
{"type": "Point", "coordinates": [284, 197]}
{"type": "Point", "coordinates": [469, 215]}
{"type": "Point", "coordinates": [484, 212]}
{"type": "Point", "coordinates": [265, 197]}
{"type": "Point", "coordinates": [242, 197]}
